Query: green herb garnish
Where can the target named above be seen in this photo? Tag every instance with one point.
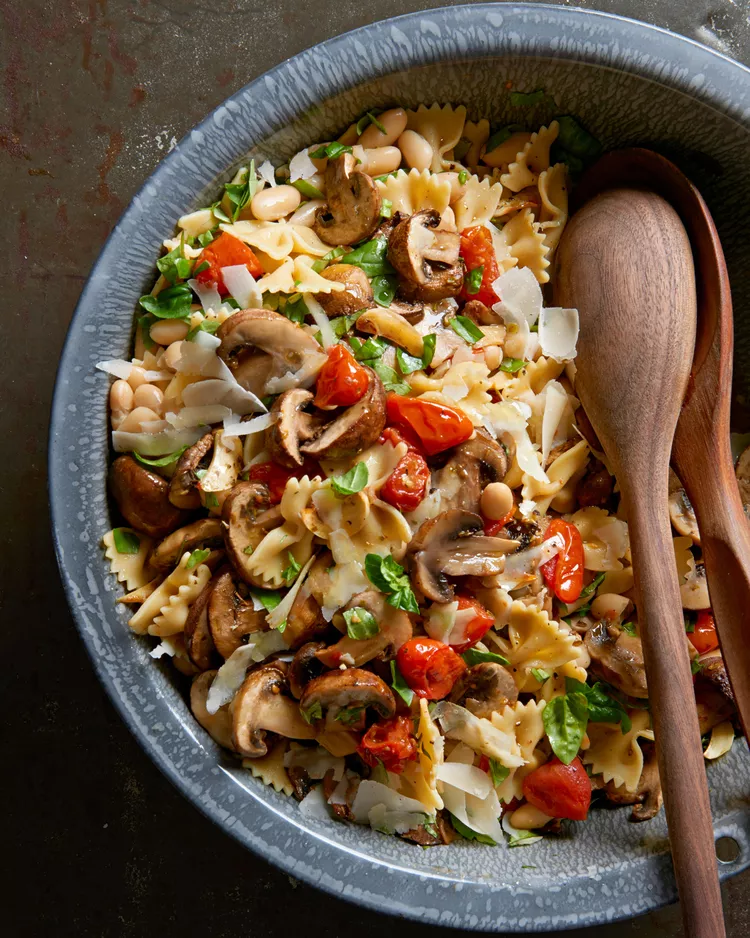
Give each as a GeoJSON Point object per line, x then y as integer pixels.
{"type": "Point", "coordinates": [269, 599]}
{"type": "Point", "coordinates": [210, 326]}
{"type": "Point", "coordinates": [498, 772]}
{"type": "Point", "coordinates": [592, 587]}
{"type": "Point", "coordinates": [469, 834]}
{"type": "Point", "coordinates": [197, 556]}
{"type": "Point", "coordinates": [212, 500]}
{"type": "Point", "coordinates": [369, 350]}
{"type": "Point", "coordinates": [384, 289]}
{"type": "Point", "coordinates": [462, 177]}
{"type": "Point", "coordinates": [307, 189]}
{"type": "Point", "coordinates": [512, 365]}
{"type": "Point", "coordinates": [126, 542]}
{"type": "Point", "coordinates": [477, 656]}
{"type": "Point", "coordinates": [386, 208]}
{"type": "Point", "coordinates": [629, 628]}
{"type": "Point", "coordinates": [540, 674]}
{"type": "Point", "coordinates": [330, 151]}
{"type": "Point", "coordinates": [400, 686]}
{"type": "Point", "coordinates": [466, 328]}
{"type": "Point", "coordinates": [474, 280]}
{"type": "Point", "coordinates": [320, 265]}
{"type": "Point", "coordinates": [240, 193]}
{"type": "Point", "coordinates": [390, 377]}
{"type": "Point", "coordinates": [360, 623]}
{"type": "Point", "coordinates": [370, 118]}
{"type": "Point", "coordinates": [175, 266]}
{"type": "Point", "coordinates": [601, 707]}
{"type": "Point", "coordinates": [349, 715]}
{"type": "Point", "coordinates": [172, 303]}
{"type": "Point", "coordinates": [292, 571]}
{"type": "Point", "coordinates": [371, 257]}
{"type": "Point", "coordinates": [410, 363]}
{"type": "Point", "coordinates": [162, 460]}
{"type": "Point", "coordinates": [313, 712]}
{"type": "Point", "coordinates": [391, 578]}
{"type": "Point", "coordinates": [501, 135]}
{"type": "Point", "coordinates": [206, 238]}
{"type": "Point", "coordinates": [352, 481]}
{"type": "Point", "coordinates": [565, 719]}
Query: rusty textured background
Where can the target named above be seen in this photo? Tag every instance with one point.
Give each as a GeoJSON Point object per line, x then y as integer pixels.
{"type": "Point", "coordinates": [94, 94]}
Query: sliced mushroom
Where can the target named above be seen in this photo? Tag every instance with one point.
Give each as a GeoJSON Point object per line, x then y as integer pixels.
{"type": "Point", "coordinates": [617, 657]}
{"type": "Point", "coordinates": [259, 344]}
{"type": "Point", "coordinates": [358, 427]}
{"type": "Point", "coordinates": [304, 667]}
{"type": "Point", "coordinates": [305, 621]}
{"type": "Point", "coordinates": [471, 468]}
{"type": "Point", "coordinates": [452, 545]}
{"type": "Point", "coordinates": [426, 259]}
{"type": "Point", "coordinates": [356, 295]}
{"type": "Point", "coordinates": [343, 697]}
{"type": "Point", "coordinates": [247, 517]}
{"type": "Point", "coordinates": [293, 426]}
{"type": "Point", "coordinates": [694, 591]}
{"type": "Point", "coordinates": [392, 326]}
{"type": "Point", "coordinates": [713, 694]}
{"type": "Point", "coordinates": [199, 643]}
{"type": "Point", "coordinates": [595, 487]}
{"type": "Point", "coordinates": [353, 210]}
{"type": "Point", "coordinates": [218, 725]}
{"type": "Point", "coordinates": [647, 798]}
{"type": "Point", "coordinates": [681, 511]}
{"type": "Point", "coordinates": [412, 312]}
{"type": "Point", "coordinates": [395, 628]}
{"type": "Point", "coordinates": [481, 314]}
{"type": "Point", "coordinates": [206, 532]}
{"type": "Point", "coordinates": [183, 487]}
{"type": "Point", "coordinates": [261, 707]}
{"type": "Point", "coordinates": [742, 471]}
{"type": "Point", "coordinates": [224, 470]}
{"type": "Point", "coordinates": [143, 497]}
{"type": "Point", "coordinates": [485, 688]}
{"type": "Point", "coordinates": [526, 531]}
{"type": "Point", "coordinates": [230, 617]}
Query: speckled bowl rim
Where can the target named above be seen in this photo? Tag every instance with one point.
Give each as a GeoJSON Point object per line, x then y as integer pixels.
{"type": "Point", "coordinates": [463, 32]}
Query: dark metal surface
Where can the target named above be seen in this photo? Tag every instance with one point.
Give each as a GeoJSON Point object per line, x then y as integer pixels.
{"type": "Point", "coordinates": [97, 842]}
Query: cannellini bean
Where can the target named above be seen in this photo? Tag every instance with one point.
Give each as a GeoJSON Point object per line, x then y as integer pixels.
{"type": "Point", "coordinates": [275, 203]}
{"type": "Point", "coordinates": [609, 606]}
{"type": "Point", "coordinates": [515, 344]}
{"type": "Point", "coordinates": [529, 818]}
{"type": "Point", "coordinates": [137, 376]}
{"type": "Point", "coordinates": [378, 161]}
{"type": "Point", "coordinates": [172, 355]}
{"type": "Point", "coordinates": [416, 150]}
{"type": "Point", "coordinates": [134, 421]}
{"type": "Point", "coordinates": [167, 331]}
{"type": "Point", "coordinates": [457, 188]}
{"type": "Point", "coordinates": [349, 136]}
{"type": "Point", "coordinates": [120, 401]}
{"type": "Point", "coordinates": [497, 501]}
{"type": "Point", "coordinates": [394, 123]}
{"type": "Point", "coordinates": [305, 214]}
{"type": "Point", "coordinates": [148, 395]}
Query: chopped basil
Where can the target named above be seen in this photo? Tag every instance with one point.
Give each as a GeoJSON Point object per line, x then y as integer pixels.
{"type": "Point", "coordinates": [271, 301]}
{"type": "Point", "coordinates": [387, 175]}
{"type": "Point", "coordinates": [292, 571]}
{"type": "Point", "coordinates": [498, 772]}
{"type": "Point", "coordinates": [629, 627]}
{"type": "Point", "coordinates": [540, 675]}
{"type": "Point", "coordinates": [371, 257]}
{"type": "Point", "coordinates": [386, 208]}
{"type": "Point", "coordinates": [313, 712]}
{"type": "Point", "coordinates": [212, 500]}
{"type": "Point", "coordinates": [523, 837]}
{"type": "Point", "coordinates": [592, 587]}
{"type": "Point", "coordinates": [349, 715]}
{"type": "Point", "coordinates": [474, 279]}
{"type": "Point", "coordinates": [528, 99]}
{"type": "Point", "coordinates": [208, 325]}
{"type": "Point", "coordinates": [351, 482]}
{"type": "Point", "coordinates": [469, 834]}
{"type": "Point", "coordinates": [410, 363]}
{"type": "Point", "coordinates": [689, 625]}
{"type": "Point", "coordinates": [175, 266]}
{"type": "Point", "coordinates": [565, 719]}
{"type": "Point", "coordinates": [500, 136]}
{"type": "Point", "coordinates": [462, 177]}
{"type": "Point", "coordinates": [466, 328]}
{"type": "Point", "coordinates": [201, 267]}
{"type": "Point", "coordinates": [248, 550]}
{"type": "Point", "coordinates": [512, 365]}
{"type": "Point", "coordinates": [390, 377]}
{"type": "Point", "coordinates": [384, 289]}
{"type": "Point", "coordinates": [400, 686]}
{"type": "Point", "coordinates": [695, 666]}
{"type": "Point", "coordinates": [296, 309]}
{"type": "Point", "coordinates": [162, 460]}
{"type": "Point", "coordinates": [369, 350]}
{"type": "Point", "coordinates": [360, 623]}
{"type": "Point", "coordinates": [172, 303]}
{"type": "Point", "coordinates": [205, 238]}
{"type": "Point", "coordinates": [126, 542]}
{"type": "Point", "coordinates": [268, 598]}
{"type": "Point", "coordinates": [320, 265]}
{"type": "Point", "coordinates": [342, 324]}
{"type": "Point", "coordinates": [197, 556]}
{"type": "Point", "coordinates": [370, 118]}
{"type": "Point", "coordinates": [602, 707]}
{"type": "Point", "coordinates": [281, 627]}
{"type": "Point", "coordinates": [307, 189]}
{"type": "Point", "coordinates": [144, 324]}
{"type": "Point", "coordinates": [240, 193]}
{"type": "Point", "coordinates": [477, 656]}
{"type": "Point", "coordinates": [331, 151]}
{"type": "Point", "coordinates": [576, 140]}
{"type": "Point", "coordinates": [390, 577]}
{"type": "Point", "coordinates": [219, 213]}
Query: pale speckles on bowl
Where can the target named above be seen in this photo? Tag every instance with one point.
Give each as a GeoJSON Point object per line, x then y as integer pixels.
{"type": "Point", "coordinates": [629, 83]}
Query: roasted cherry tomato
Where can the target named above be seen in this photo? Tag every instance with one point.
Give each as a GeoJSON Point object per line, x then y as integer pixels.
{"type": "Point", "coordinates": [475, 628]}
{"type": "Point", "coordinates": [704, 638]}
{"type": "Point", "coordinates": [402, 434]}
{"type": "Point", "coordinates": [225, 251]}
{"type": "Point", "coordinates": [563, 573]}
{"type": "Point", "coordinates": [276, 476]}
{"type": "Point", "coordinates": [477, 250]}
{"type": "Point", "coordinates": [437, 426]}
{"type": "Point", "coordinates": [429, 667]}
{"type": "Point", "coordinates": [493, 528]}
{"type": "Point", "coordinates": [391, 743]}
{"type": "Point", "coordinates": [407, 485]}
{"type": "Point", "coordinates": [559, 790]}
{"type": "Point", "coordinates": [341, 381]}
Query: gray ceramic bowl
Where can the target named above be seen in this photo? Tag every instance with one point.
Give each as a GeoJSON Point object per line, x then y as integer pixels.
{"type": "Point", "coordinates": [629, 83]}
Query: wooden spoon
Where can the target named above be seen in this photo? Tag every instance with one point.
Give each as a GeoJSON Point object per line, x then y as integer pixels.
{"type": "Point", "coordinates": [701, 453]}
{"type": "Point", "coordinates": [625, 263]}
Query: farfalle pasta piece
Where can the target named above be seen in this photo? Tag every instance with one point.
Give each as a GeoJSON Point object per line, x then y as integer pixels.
{"type": "Point", "coordinates": [477, 134]}
{"type": "Point", "coordinates": [415, 191]}
{"type": "Point", "coordinates": [464, 385]}
{"type": "Point", "coordinates": [422, 773]}
{"type": "Point", "coordinates": [275, 240]}
{"type": "Point", "coordinates": [307, 280]}
{"type": "Point", "coordinates": [385, 531]}
{"type": "Point", "coordinates": [535, 641]}
{"type": "Point", "coordinates": [534, 377]}
{"type": "Point", "coordinates": [440, 126]}
{"type": "Point", "coordinates": [605, 539]}
{"type": "Point", "coordinates": [478, 202]}
{"type": "Point", "coordinates": [563, 468]}
{"type": "Point", "coordinates": [129, 569]}
{"type": "Point", "coordinates": [495, 739]}
{"type": "Point", "coordinates": [164, 612]}
{"type": "Point", "coordinates": [554, 686]}
{"type": "Point", "coordinates": [532, 160]}
{"type": "Point", "coordinates": [280, 280]}
{"type": "Point", "coordinates": [270, 768]}
{"type": "Point", "coordinates": [529, 730]}
{"type": "Point", "coordinates": [554, 186]}
{"type": "Point", "coordinates": [616, 755]}
{"type": "Point", "coordinates": [307, 242]}
{"type": "Point", "coordinates": [525, 242]}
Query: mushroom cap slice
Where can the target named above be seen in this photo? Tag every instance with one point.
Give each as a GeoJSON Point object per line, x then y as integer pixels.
{"type": "Point", "coordinates": [452, 544]}
{"type": "Point", "coordinates": [230, 618]}
{"type": "Point", "coordinates": [681, 511]}
{"type": "Point", "coordinates": [218, 725]}
{"type": "Point", "coordinates": [471, 468]}
{"type": "Point", "coordinates": [353, 210]}
{"type": "Point", "coordinates": [350, 690]}
{"type": "Point", "coordinates": [742, 471]}
{"type": "Point", "coordinates": [199, 642]}
{"type": "Point", "coordinates": [304, 667]}
{"type": "Point", "coordinates": [647, 798]}
{"type": "Point", "coordinates": [617, 657]}
{"type": "Point", "coordinates": [356, 295]}
{"type": "Point", "coordinates": [247, 517]}
{"type": "Point", "coordinates": [293, 426]}
{"type": "Point", "coordinates": [694, 591]}
{"type": "Point", "coordinates": [395, 628]}
{"type": "Point", "coordinates": [480, 313]}
{"type": "Point", "coordinates": [305, 621]}
{"type": "Point", "coordinates": [356, 428]}
{"type": "Point", "coordinates": [206, 532]}
{"type": "Point", "coordinates": [261, 707]}
{"type": "Point", "coordinates": [143, 498]}
{"type": "Point", "coordinates": [183, 487]}
{"type": "Point", "coordinates": [485, 688]}
{"type": "Point", "coordinates": [425, 258]}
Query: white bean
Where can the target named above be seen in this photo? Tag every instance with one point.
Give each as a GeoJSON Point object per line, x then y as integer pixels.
{"type": "Point", "coordinates": [394, 124]}
{"type": "Point", "coordinates": [133, 423]}
{"type": "Point", "coordinates": [120, 402]}
{"type": "Point", "coordinates": [497, 501]}
{"type": "Point", "coordinates": [457, 188]}
{"type": "Point", "coordinates": [609, 606]}
{"type": "Point", "coordinates": [305, 214]}
{"type": "Point", "coordinates": [349, 136]}
{"type": "Point", "coordinates": [529, 818]}
{"type": "Point", "coordinates": [137, 376]}
{"type": "Point", "coordinates": [148, 395]}
{"type": "Point", "coordinates": [172, 355]}
{"type": "Point", "coordinates": [167, 331]}
{"type": "Point", "coordinates": [416, 150]}
{"type": "Point", "coordinates": [378, 161]}
{"type": "Point", "coordinates": [275, 203]}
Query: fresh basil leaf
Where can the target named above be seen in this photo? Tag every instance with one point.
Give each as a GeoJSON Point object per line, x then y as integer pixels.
{"type": "Point", "coordinates": [314, 712]}
{"type": "Point", "coordinates": [512, 365]}
{"type": "Point", "coordinates": [410, 363]}
{"type": "Point", "coordinates": [307, 189]}
{"type": "Point", "coordinates": [292, 571]}
{"type": "Point", "coordinates": [523, 837]}
{"type": "Point", "coordinates": [592, 587]}
{"type": "Point", "coordinates": [271, 301]}
{"type": "Point", "coordinates": [390, 577]}
{"type": "Point", "coordinates": [695, 666]}
{"type": "Point", "coordinates": [269, 598]}
{"type": "Point", "coordinates": [351, 482]}
{"type": "Point", "coordinates": [331, 151]}
{"type": "Point", "coordinates": [368, 351]}
{"type": "Point", "coordinates": [240, 193]}
{"type": "Point", "coordinates": [500, 136]}
{"type": "Point", "coordinates": [540, 674]}
{"type": "Point", "coordinates": [320, 265]}
{"type": "Point", "coordinates": [477, 656]}
{"type": "Point", "coordinates": [162, 460]}
{"type": "Point", "coordinates": [384, 289]}
{"type": "Point", "coordinates": [174, 266]}
{"type": "Point", "coordinates": [374, 120]}
{"type": "Point", "coordinates": [371, 257]}
{"type": "Point", "coordinates": [473, 280]}
{"type": "Point", "coordinates": [281, 627]}
{"type": "Point", "coordinates": [342, 324]}
{"type": "Point", "coordinates": [689, 625]}
{"type": "Point", "coordinates": [399, 684]}
{"type": "Point", "coordinates": [576, 140]}
{"type": "Point", "coordinates": [199, 269]}
{"type": "Point", "coordinates": [172, 303]}
{"type": "Point", "coordinates": [219, 213]}
{"type": "Point", "coordinates": [462, 177]}
{"type": "Point", "coordinates": [390, 377]}
{"type": "Point", "coordinates": [210, 326]}
{"type": "Point", "coordinates": [206, 238]}
{"type": "Point", "coordinates": [212, 500]}
{"type": "Point", "coordinates": [466, 328]}
{"type": "Point", "coordinates": [528, 98]}
{"type": "Point", "coordinates": [349, 715]}
{"type": "Point", "coordinates": [498, 772]}
{"type": "Point", "coordinates": [565, 720]}
{"type": "Point", "coordinates": [403, 598]}
{"type": "Point", "coordinates": [296, 309]}
{"type": "Point", "coordinates": [360, 623]}
{"type": "Point", "coordinates": [468, 834]}
{"type": "Point", "coordinates": [602, 707]}
{"type": "Point", "coordinates": [386, 208]}
{"type": "Point", "coordinates": [126, 542]}
{"type": "Point", "coordinates": [629, 627]}
{"type": "Point", "coordinates": [197, 556]}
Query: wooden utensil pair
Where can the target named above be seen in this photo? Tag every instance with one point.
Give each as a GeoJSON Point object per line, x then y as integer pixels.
{"type": "Point", "coordinates": [642, 262]}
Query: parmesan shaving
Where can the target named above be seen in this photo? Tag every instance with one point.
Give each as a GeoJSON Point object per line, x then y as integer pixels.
{"type": "Point", "coordinates": [231, 674]}
{"type": "Point", "coordinates": [301, 166]}
{"type": "Point", "coordinates": [558, 333]}
{"type": "Point", "coordinates": [208, 295]}
{"type": "Point", "coordinates": [233, 426]}
{"type": "Point", "coordinates": [242, 286]}
{"type": "Point", "coordinates": [154, 444]}
{"type": "Point", "coordinates": [321, 320]}
{"type": "Point", "coordinates": [267, 173]}
{"type": "Point", "coordinates": [279, 614]}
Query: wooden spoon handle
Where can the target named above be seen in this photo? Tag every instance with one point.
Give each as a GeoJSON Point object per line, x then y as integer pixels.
{"type": "Point", "coordinates": [681, 764]}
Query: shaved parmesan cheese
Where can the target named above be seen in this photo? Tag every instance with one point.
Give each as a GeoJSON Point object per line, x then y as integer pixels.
{"type": "Point", "coordinates": [267, 173]}
{"type": "Point", "coordinates": [555, 402]}
{"type": "Point", "coordinates": [558, 333]}
{"type": "Point", "coordinates": [301, 166]}
{"type": "Point", "coordinates": [116, 367]}
{"type": "Point", "coordinates": [479, 814]}
{"type": "Point", "coordinates": [521, 568]}
{"type": "Point", "coordinates": [154, 444]}
{"type": "Point", "coordinates": [313, 805]}
{"type": "Point", "coordinates": [447, 623]}
{"type": "Point", "coordinates": [158, 375]}
{"type": "Point", "coordinates": [233, 426]}
{"type": "Point", "coordinates": [208, 295]}
{"type": "Point", "coordinates": [167, 647]}
{"type": "Point", "coordinates": [322, 321]}
{"type": "Point", "coordinates": [385, 809]}
{"type": "Point", "coordinates": [198, 416]}
{"type": "Point", "coordinates": [298, 379]}
{"type": "Point", "coordinates": [520, 294]}
{"type": "Point", "coordinates": [347, 580]}
{"type": "Point", "coordinates": [242, 286]}
{"type": "Point", "coordinates": [204, 393]}
{"type": "Point", "coordinates": [315, 761]}
{"type": "Point", "coordinates": [467, 778]}
{"type": "Point", "coordinates": [279, 614]}
{"type": "Point", "coordinates": [231, 674]}
{"type": "Point", "coordinates": [197, 223]}
{"type": "Point", "coordinates": [478, 733]}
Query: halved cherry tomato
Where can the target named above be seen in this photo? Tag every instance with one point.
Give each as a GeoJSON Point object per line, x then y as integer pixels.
{"type": "Point", "coordinates": [475, 628]}
{"type": "Point", "coordinates": [429, 667]}
{"type": "Point", "coordinates": [704, 637]}
{"type": "Point", "coordinates": [225, 251]}
{"type": "Point", "coordinates": [563, 574]}
{"type": "Point", "coordinates": [276, 476]}
{"type": "Point", "coordinates": [559, 790]}
{"type": "Point", "coordinates": [341, 381]}
{"type": "Point", "coordinates": [493, 528]}
{"type": "Point", "coordinates": [402, 434]}
{"type": "Point", "coordinates": [477, 250]}
{"type": "Point", "coordinates": [391, 743]}
{"type": "Point", "coordinates": [437, 426]}
{"type": "Point", "coordinates": [407, 485]}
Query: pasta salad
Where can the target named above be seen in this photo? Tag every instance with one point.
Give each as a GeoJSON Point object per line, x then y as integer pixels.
{"type": "Point", "coordinates": [364, 512]}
